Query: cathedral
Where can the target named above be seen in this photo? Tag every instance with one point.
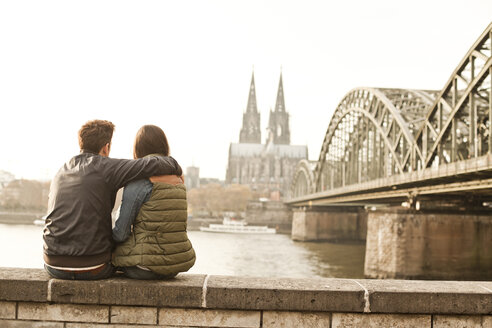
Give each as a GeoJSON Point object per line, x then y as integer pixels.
{"type": "Point", "coordinates": [266, 168]}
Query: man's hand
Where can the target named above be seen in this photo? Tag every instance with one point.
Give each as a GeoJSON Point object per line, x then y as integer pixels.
{"type": "Point", "coordinates": [170, 179]}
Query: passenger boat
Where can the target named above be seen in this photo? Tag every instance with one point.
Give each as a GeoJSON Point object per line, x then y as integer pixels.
{"type": "Point", "coordinates": [237, 226]}
{"type": "Point", "coordinates": [40, 221]}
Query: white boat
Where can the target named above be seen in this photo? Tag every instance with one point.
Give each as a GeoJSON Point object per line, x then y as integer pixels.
{"type": "Point", "coordinates": [237, 226]}
{"type": "Point", "coordinates": [39, 222]}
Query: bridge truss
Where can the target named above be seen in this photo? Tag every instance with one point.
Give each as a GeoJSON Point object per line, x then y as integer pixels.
{"type": "Point", "coordinates": [378, 134]}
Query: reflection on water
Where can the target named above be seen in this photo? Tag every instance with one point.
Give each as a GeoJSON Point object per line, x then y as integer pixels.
{"type": "Point", "coordinates": [224, 254]}
{"type": "Point", "coordinates": [337, 260]}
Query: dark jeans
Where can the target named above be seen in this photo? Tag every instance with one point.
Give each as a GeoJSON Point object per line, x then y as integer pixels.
{"type": "Point", "coordinates": [106, 271]}
{"type": "Point", "coordinates": [137, 273]}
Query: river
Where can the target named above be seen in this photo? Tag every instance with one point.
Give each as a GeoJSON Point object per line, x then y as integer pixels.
{"type": "Point", "coordinates": [220, 254]}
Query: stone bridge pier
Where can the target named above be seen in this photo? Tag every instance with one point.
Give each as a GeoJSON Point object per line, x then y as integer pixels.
{"type": "Point", "coordinates": [410, 244]}
{"type": "Point", "coordinates": [330, 223]}
{"type": "Point", "coordinates": [406, 243]}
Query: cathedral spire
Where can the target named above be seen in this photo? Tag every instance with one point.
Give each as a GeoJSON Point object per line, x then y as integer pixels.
{"type": "Point", "coordinates": [278, 123]}
{"type": "Point", "coordinates": [280, 103]}
{"type": "Point", "coordinates": [250, 131]}
{"type": "Point", "coordinates": [252, 96]}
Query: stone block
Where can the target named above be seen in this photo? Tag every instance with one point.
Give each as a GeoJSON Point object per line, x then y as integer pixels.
{"type": "Point", "coordinates": [485, 285]}
{"type": "Point", "coordinates": [183, 291]}
{"type": "Point", "coordinates": [129, 314]}
{"type": "Point", "coordinates": [63, 312]}
{"type": "Point", "coordinates": [209, 318]}
{"type": "Point", "coordinates": [7, 310]}
{"type": "Point", "coordinates": [106, 325]}
{"type": "Point", "coordinates": [356, 320]}
{"type": "Point", "coordinates": [457, 321]}
{"type": "Point", "coordinates": [433, 297]}
{"type": "Point", "coordinates": [23, 284]}
{"type": "Point", "coordinates": [487, 321]}
{"type": "Point", "coordinates": [284, 294]}
{"type": "Point", "coordinates": [29, 324]}
{"type": "Point", "coordinates": [281, 319]}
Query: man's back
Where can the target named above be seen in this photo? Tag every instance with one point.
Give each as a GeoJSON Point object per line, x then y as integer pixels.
{"type": "Point", "coordinates": [79, 205]}
{"type": "Point", "coordinates": [82, 195]}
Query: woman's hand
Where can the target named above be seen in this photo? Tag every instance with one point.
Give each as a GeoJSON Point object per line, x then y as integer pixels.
{"type": "Point", "coordinates": [170, 179]}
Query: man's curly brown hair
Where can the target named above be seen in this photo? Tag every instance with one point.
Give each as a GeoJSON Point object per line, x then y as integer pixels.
{"type": "Point", "coordinates": [94, 134]}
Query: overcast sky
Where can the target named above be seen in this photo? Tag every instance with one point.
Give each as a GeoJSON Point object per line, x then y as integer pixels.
{"type": "Point", "coordinates": [186, 67]}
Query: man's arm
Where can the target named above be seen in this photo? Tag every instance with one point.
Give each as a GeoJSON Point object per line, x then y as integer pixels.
{"type": "Point", "coordinates": [134, 195]}
{"type": "Point", "coordinates": [169, 179]}
{"type": "Point", "coordinates": [119, 172]}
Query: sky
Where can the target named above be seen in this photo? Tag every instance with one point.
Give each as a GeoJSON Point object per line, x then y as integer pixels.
{"type": "Point", "coordinates": [186, 66]}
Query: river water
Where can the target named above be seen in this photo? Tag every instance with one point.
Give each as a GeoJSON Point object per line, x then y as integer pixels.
{"type": "Point", "coordinates": [220, 254]}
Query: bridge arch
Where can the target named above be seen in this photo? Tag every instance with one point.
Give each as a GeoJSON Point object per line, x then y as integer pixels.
{"type": "Point", "coordinates": [370, 136]}
{"type": "Point", "coordinates": [303, 182]}
{"type": "Point", "coordinates": [375, 133]}
{"type": "Point", "coordinates": [458, 123]}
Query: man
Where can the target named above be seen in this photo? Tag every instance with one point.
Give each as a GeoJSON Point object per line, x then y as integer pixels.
{"type": "Point", "coordinates": [77, 234]}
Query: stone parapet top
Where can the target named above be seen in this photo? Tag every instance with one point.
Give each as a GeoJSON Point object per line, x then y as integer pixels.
{"type": "Point", "coordinates": [247, 293]}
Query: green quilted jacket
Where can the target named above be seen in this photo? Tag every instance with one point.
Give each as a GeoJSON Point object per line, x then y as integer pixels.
{"type": "Point", "coordinates": [159, 241]}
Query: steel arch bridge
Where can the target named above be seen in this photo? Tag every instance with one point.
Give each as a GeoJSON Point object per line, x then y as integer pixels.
{"type": "Point", "coordinates": [379, 140]}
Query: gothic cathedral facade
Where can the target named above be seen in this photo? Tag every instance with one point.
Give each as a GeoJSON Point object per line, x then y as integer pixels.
{"type": "Point", "coordinates": [266, 168]}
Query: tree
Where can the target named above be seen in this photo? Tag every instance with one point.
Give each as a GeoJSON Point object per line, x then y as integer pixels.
{"type": "Point", "coordinates": [214, 200]}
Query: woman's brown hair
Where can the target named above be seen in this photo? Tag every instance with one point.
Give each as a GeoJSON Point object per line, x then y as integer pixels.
{"type": "Point", "coordinates": [150, 139]}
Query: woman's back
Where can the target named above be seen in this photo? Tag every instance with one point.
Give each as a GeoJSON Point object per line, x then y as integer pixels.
{"type": "Point", "coordinates": [158, 245]}
{"type": "Point", "coordinates": [159, 240]}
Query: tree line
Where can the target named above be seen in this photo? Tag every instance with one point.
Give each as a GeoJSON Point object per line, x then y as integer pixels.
{"type": "Point", "coordinates": [214, 199]}
{"type": "Point", "coordinates": [207, 200]}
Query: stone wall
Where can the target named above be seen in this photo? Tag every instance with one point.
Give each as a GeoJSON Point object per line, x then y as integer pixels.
{"type": "Point", "coordinates": [29, 298]}
{"type": "Point", "coordinates": [275, 214]}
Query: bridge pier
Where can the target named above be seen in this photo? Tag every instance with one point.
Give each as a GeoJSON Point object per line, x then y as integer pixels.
{"type": "Point", "coordinates": [409, 244]}
{"type": "Point", "coordinates": [329, 223]}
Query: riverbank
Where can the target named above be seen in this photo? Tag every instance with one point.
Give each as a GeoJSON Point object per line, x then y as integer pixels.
{"type": "Point", "coordinates": [29, 217]}
{"type": "Point", "coordinates": [194, 224]}
{"type": "Point", "coordinates": [19, 217]}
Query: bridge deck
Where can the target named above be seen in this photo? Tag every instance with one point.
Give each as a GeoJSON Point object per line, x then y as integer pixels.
{"type": "Point", "coordinates": [472, 175]}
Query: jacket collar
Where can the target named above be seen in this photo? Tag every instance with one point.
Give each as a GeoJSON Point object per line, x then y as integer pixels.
{"type": "Point", "coordinates": [85, 151]}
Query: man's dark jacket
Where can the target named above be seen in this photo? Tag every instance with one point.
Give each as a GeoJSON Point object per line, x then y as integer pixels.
{"type": "Point", "coordinates": [82, 195]}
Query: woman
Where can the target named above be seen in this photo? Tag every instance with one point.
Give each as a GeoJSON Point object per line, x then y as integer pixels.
{"type": "Point", "coordinates": [151, 227]}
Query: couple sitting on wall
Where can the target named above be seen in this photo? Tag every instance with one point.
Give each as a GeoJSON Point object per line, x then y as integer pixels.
{"type": "Point", "coordinates": [149, 239]}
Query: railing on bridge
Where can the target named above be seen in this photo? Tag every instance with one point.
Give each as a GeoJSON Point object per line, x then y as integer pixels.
{"type": "Point", "coordinates": [377, 133]}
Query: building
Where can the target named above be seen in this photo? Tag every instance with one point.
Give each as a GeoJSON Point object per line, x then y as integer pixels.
{"type": "Point", "coordinates": [5, 178]}
{"type": "Point", "coordinates": [192, 177]}
{"type": "Point", "coordinates": [267, 168]}
{"type": "Point", "coordinates": [25, 195]}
